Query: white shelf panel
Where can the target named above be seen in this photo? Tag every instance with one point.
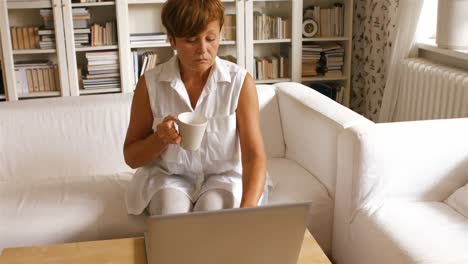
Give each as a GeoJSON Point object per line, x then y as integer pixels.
{"type": "Point", "coordinates": [110, 3]}
{"type": "Point", "coordinates": [146, 2]}
{"type": "Point", "coordinates": [2, 96]}
{"type": "Point", "coordinates": [267, 41]}
{"type": "Point", "coordinates": [29, 4]}
{"type": "Point", "coordinates": [327, 39]}
{"type": "Point", "coordinates": [323, 78]}
{"type": "Point", "coordinates": [99, 91]}
{"type": "Point", "coordinates": [34, 51]}
{"type": "Point", "coordinates": [39, 94]}
{"type": "Point", "coordinates": [108, 47]}
{"type": "Point", "coordinates": [227, 42]}
{"type": "Point", "coordinates": [158, 45]}
{"type": "Point", "coordinates": [272, 81]}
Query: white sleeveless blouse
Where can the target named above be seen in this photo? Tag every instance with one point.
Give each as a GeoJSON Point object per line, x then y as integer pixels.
{"type": "Point", "coordinates": [217, 163]}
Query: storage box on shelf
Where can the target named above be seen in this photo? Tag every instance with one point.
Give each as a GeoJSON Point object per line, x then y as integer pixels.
{"type": "Point", "coordinates": [32, 62]}
{"type": "Point", "coordinates": [326, 47]}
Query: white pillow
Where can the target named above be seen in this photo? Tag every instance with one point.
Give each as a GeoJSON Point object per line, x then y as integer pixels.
{"type": "Point", "coordinates": [459, 200]}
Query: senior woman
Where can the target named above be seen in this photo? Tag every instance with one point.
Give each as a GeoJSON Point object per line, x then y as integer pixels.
{"type": "Point", "coordinates": [229, 168]}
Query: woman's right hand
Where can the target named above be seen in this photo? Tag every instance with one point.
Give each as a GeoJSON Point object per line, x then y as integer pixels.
{"type": "Point", "coordinates": [167, 132]}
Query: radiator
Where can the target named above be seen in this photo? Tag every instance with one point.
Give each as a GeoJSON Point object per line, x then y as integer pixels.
{"type": "Point", "coordinates": [431, 91]}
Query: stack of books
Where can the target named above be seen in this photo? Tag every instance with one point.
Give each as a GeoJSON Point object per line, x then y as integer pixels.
{"type": "Point", "coordinates": [229, 28]}
{"type": "Point", "coordinates": [46, 38]}
{"type": "Point", "coordinates": [311, 54]}
{"type": "Point", "coordinates": [103, 70]}
{"type": "Point", "coordinates": [332, 59]}
{"type": "Point", "coordinates": [271, 67]}
{"type": "Point", "coordinates": [148, 38]}
{"type": "Point", "coordinates": [36, 76]}
{"type": "Point", "coordinates": [81, 31]}
{"type": "Point", "coordinates": [25, 37]}
{"type": "Point", "coordinates": [324, 58]}
{"type": "Point", "coordinates": [81, 36]}
{"type": "Point", "coordinates": [81, 17]}
{"type": "Point", "coordinates": [269, 27]}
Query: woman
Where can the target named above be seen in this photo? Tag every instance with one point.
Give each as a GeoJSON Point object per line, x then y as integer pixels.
{"type": "Point", "coordinates": [170, 179]}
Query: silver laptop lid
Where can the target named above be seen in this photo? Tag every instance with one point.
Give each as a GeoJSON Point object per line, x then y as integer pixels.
{"type": "Point", "coordinates": [258, 235]}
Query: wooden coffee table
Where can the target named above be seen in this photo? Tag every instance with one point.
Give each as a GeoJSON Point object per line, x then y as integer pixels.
{"type": "Point", "coordinates": [119, 251]}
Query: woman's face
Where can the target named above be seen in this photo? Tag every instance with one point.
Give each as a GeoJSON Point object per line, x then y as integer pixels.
{"type": "Point", "coordinates": [198, 53]}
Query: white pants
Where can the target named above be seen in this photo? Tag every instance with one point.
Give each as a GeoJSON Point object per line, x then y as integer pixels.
{"type": "Point", "coordinates": [173, 201]}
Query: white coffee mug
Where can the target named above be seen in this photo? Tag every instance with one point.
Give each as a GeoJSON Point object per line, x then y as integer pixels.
{"type": "Point", "coordinates": [191, 128]}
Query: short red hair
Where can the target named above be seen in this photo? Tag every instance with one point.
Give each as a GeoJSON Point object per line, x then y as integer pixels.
{"type": "Point", "coordinates": [187, 18]}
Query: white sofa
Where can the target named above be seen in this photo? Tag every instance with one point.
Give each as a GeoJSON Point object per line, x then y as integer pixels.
{"type": "Point", "coordinates": [63, 176]}
{"type": "Point", "coordinates": [392, 182]}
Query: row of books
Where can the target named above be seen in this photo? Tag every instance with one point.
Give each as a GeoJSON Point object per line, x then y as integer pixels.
{"type": "Point", "coordinates": [101, 71]}
{"type": "Point", "coordinates": [269, 27]}
{"type": "Point", "coordinates": [331, 90]}
{"type": "Point", "coordinates": [330, 20]}
{"type": "Point", "coordinates": [326, 58]}
{"type": "Point", "coordinates": [271, 67]}
{"type": "Point", "coordinates": [25, 37]}
{"type": "Point", "coordinates": [228, 31]}
{"type": "Point", "coordinates": [36, 76]}
{"type": "Point", "coordinates": [103, 35]}
{"type": "Point", "coordinates": [143, 63]}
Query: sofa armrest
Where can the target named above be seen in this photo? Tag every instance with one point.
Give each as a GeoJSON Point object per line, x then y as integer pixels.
{"type": "Point", "coordinates": [311, 123]}
{"type": "Point", "coordinates": [412, 161]}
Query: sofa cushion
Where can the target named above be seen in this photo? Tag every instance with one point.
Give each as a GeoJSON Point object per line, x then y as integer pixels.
{"type": "Point", "coordinates": [459, 200]}
{"type": "Point", "coordinates": [270, 122]}
{"type": "Point", "coordinates": [409, 232]}
{"type": "Point", "coordinates": [67, 210]}
{"type": "Point", "coordinates": [292, 183]}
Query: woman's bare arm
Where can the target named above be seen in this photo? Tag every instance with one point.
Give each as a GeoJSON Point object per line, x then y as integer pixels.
{"type": "Point", "coordinates": [142, 145]}
{"type": "Point", "coordinates": [253, 152]}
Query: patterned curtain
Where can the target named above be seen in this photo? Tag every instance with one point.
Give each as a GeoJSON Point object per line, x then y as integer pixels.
{"type": "Point", "coordinates": [373, 31]}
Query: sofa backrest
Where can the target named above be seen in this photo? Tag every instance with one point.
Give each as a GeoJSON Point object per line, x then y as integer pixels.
{"type": "Point", "coordinates": [83, 136]}
{"type": "Point", "coordinates": [311, 124]}
{"type": "Point", "coordinates": [63, 137]}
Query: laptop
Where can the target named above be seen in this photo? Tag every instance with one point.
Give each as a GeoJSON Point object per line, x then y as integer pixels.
{"type": "Point", "coordinates": [257, 235]}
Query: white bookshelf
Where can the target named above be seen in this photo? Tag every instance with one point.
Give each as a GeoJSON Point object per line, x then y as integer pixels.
{"type": "Point", "coordinates": [345, 40]}
{"type": "Point", "coordinates": [26, 13]}
{"type": "Point", "coordinates": [143, 16]}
